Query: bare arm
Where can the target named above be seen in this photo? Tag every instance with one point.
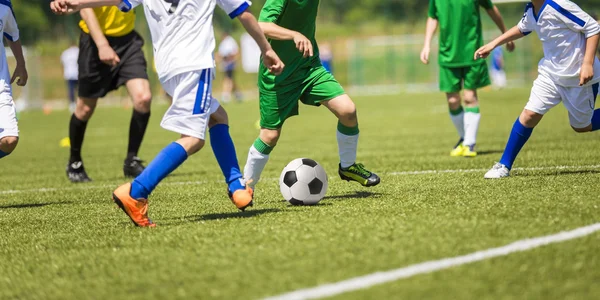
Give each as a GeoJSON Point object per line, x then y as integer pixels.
{"type": "Point", "coordinates": [105, 52]}
{"type": "Point", "coordinates": [20, 70]}
{"type": "Point", "coordinates": [65, 7]}
{"type": "Point", "coordinates": [509, 36]}
{"type": "Point", "coordinates": [587, 68]}
{"type": "Point", "coordinates": [270, 58]}
{"type": "Point", "coordinates": [496, 16]}
{"type": "Point", "coordinates": [430, 29]}
{"type": "Point", "coordinates": [276, 32]}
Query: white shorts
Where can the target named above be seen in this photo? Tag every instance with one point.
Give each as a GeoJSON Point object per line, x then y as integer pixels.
{"type": "Point", "coordinates": [192, 103]}
{"type": "Point", "coordinates": [8, 116]}
{"type": "Point", "coordinates": [579, 101]}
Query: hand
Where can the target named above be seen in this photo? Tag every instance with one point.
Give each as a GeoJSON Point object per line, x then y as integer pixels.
{"type": "Point", "coordinates": [62, 7]}
{"type": "Point", "coordinates": [272, 62]}
{"type": "Point", "coordinates": [510, 46]}
{"type": "Point", "coordinates": [425, 55]}
{"type": "Point", "coordinates": [21, 73]}
{"type": "Point", "coordinates": [108, 55]}
{"type": "Point", "coordinates": [587, 74]}
{"type": "Point", "coordinates": [484, 51]}
{"type": "Point", "coordinates": [303, 45]}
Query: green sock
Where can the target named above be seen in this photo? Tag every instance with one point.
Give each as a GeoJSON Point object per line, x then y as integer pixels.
{"type": "Point", "coordinates": [474, 109]}
{"type": "Point", "coordinates": [262, 147]}
{"type": "Point", "coordinates": [347, 130]}
{"type": "Point", "coordinates": [457, 111]}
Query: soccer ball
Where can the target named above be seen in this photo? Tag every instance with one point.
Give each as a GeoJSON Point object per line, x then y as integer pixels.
{"type": "Point", "coordinates": [303, 182]}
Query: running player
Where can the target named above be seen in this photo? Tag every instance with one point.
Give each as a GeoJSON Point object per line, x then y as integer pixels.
{"type": "Point", "coordinates": [183, 39]}
{"type": "Point", "coordinates": [9, 131]}
{"type": "Point", "coordinates": [290, 25]}
{"type": "Point", "coordinates": [460, 36]}
{"type": "Point", "coordinates": [110, 55]}
{"type": "Point", "coordinates": [568, 72]}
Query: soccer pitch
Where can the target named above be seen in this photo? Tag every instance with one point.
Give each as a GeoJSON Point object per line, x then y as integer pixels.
{"type": "Point", "coordinates": [64, 241]}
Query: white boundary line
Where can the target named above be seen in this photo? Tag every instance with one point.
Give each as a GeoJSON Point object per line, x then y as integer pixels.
{"type": "Point", "coordinates": [367, 281]}
{"type": "Point", "coordinates": [401, 173]}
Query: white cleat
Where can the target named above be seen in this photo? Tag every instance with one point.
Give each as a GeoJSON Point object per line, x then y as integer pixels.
{"type": "Point", "coordinates": [497, 171]}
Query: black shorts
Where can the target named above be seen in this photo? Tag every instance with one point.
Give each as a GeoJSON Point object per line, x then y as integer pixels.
{"type": "Point", "coordinates": [96, 78]}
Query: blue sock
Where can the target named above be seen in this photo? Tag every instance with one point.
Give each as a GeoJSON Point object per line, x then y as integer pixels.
{"type": "Point", "coordinates": [3, 154]}
{"type": "Point", "coordinates": [163, 164]}
{"type": "Point", "coordinates": [224, 151]}
{"type": "Point", "coordinates": [596, 120]}
{"type": "Point", "coordinates": [518, 137]}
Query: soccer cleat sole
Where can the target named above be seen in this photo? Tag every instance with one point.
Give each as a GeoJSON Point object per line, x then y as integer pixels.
{"type": "Point", "coordinates": [366, 184]}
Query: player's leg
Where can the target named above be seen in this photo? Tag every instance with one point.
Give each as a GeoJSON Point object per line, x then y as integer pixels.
{"type": "Point", "coordinates": [84, 109]}
{"type": "Point", "coordinates": [451, 83]}
{"type": "Point", "coordinates": [227, 85]}
{"type": "Point", "coordinates": [188, 116]}
{"type": "Point", "coordinates": [475, 77]}
{"type": "Point", "coordinates": [580, 102]}
{"type": "Point", "coordinates": [275, 108]}
{"type": "Point", "coordinates": [139, 91]}
{"type": "Point", "coordinates": [544, 96]}
{"type": "Point", "coordinates": [324, 89]}
{"type": "Point", "coordinates": [9, 130]}
{"type": "Point", "coordinates": [224, 151]}
{"type": "Point", "coordinates": [71, 86]}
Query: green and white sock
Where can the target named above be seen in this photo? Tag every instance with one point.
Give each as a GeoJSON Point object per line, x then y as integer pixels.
{"type": "Point", "coordinates": [347, 138]}
{"type": "Point", "coordinates": [258, 156]}
{"type": "Point", "coordinates": [458, 119]}
{"type": "Point", "coordinates": [472, 117]}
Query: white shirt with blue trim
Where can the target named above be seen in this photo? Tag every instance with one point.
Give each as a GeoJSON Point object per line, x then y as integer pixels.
{"type": "Point", "coordinates": [563, 28]}
{"type": "Point", "coordinates": [8, 25]}
{"type": "Point", "coordinates": [182, 32]}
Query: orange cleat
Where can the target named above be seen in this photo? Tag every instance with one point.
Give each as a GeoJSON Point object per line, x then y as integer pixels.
{"type": "Point", "coordinates": [136, 210]}
{"type": "Point", "coordinates": [242, 198]}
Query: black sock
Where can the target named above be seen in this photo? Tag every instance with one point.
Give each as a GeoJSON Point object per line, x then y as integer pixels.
{"type": "Point", "coordinates": [76, 134]}
{"type": "Point", "coordinates": [137, 129]}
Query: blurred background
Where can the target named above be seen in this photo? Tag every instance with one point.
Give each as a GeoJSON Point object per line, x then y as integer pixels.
{"type": "Point", "coordinates": [373, 48]}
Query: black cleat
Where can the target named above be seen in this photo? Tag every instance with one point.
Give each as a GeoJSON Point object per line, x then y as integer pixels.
{"type": "Point", "coordinates": [132, 167]}
{"type": "Point", "coordinates": [76, 172]}
{"type": "Point", "coordinates": [358, 173]}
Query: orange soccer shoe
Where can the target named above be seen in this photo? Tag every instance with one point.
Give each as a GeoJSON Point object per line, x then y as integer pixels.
{"type": "Point", "coordinates": [242, 198]}
{"type": "Point", "coordinates": [136, 210]}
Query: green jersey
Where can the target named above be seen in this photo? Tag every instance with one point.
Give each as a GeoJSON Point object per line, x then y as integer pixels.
{"type": "Point", "coordinates": [460, 30]}
{"type": "Point", "coordinates": [296, 15]}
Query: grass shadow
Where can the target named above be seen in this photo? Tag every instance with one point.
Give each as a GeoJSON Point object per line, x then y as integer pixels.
{"type": "Point", "coordinates": [30, 205]}
{"type": "Point", "coordinates": [355, 195]}
{"type": "Point", "coordinates": [554, 172]}
{"type": "Point", "coordinates": [218, 216]}
{"type": "Point", "coordinates": [488, 152]}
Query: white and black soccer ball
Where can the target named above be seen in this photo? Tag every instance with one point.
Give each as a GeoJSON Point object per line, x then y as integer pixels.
{"type": "Point", "coordinates": [303, 182]}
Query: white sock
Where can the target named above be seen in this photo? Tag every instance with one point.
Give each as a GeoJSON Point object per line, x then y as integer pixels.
{"type": "Point", "coordinates": [347, 146]}
{"type": "Point", "coordinates": [471, 127]}
{"type": "Point", "coordinates": [459, 122]}
{"type": "Point", "coordinates": [254, 166]}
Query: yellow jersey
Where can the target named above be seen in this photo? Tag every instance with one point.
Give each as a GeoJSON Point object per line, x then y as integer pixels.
{"type": "Point", "coordinates": [112, 21]}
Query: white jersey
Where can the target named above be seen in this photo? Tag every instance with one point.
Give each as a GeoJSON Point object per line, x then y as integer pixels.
{"type": "Point", "coordinates": [69, 61]}
{"type": "Point", "coordinates": [182, 32]}
{"type": "Point", "coordinates": [563, 28]}
{"type": "Point", "coordinates": [8, 25]}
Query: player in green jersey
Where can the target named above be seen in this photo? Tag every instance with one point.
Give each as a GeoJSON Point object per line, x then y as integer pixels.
{"type": "Point", "coordinates": [290, 26]}
{"type": "Point", "coordinates": [460, 36]}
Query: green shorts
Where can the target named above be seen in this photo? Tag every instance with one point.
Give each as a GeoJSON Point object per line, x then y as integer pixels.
{"type": "Point", "coordinates": [280, 103]}
{"type": "Point", "coordinates": [454, 79]}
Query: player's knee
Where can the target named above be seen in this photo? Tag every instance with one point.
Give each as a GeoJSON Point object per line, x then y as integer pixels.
{"type": "Point", "coordinates": [84, 111]}
{"type": "Point", "coordinates": [269, 136]}
{"type": "Point", "coordinates": [218, 117]}
{"type": "Point", "coordinates": [9, 143]}
{"type": "Point", "coordinates": [348, 112]}
{"type": "Point", "coordinates": [142, 101]}
{"type": "Point", "coordinates": [453, 101]}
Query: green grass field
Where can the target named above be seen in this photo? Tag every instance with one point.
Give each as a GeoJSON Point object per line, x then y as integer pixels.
{"type": "Point", "coordinates": [65, 241]}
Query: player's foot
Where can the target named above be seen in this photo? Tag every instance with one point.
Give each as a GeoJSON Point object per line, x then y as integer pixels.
{"type": "Point", "coordinates": [76, 172]}
{"type": "Point", "coordinates": [458, 149]}
{"type": "Point", "coordinates": [497, 171]}
{"type": "Point", "coordinates": [132, 167]}
{"type": "Point", "coordinates": [469, 151]}
{"type": "Point", "coordinates": [242, 198]}
{"type": "Point", "coordinates": [136, 210]}
{"type": "Point", "coordinates": [358, 173]}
